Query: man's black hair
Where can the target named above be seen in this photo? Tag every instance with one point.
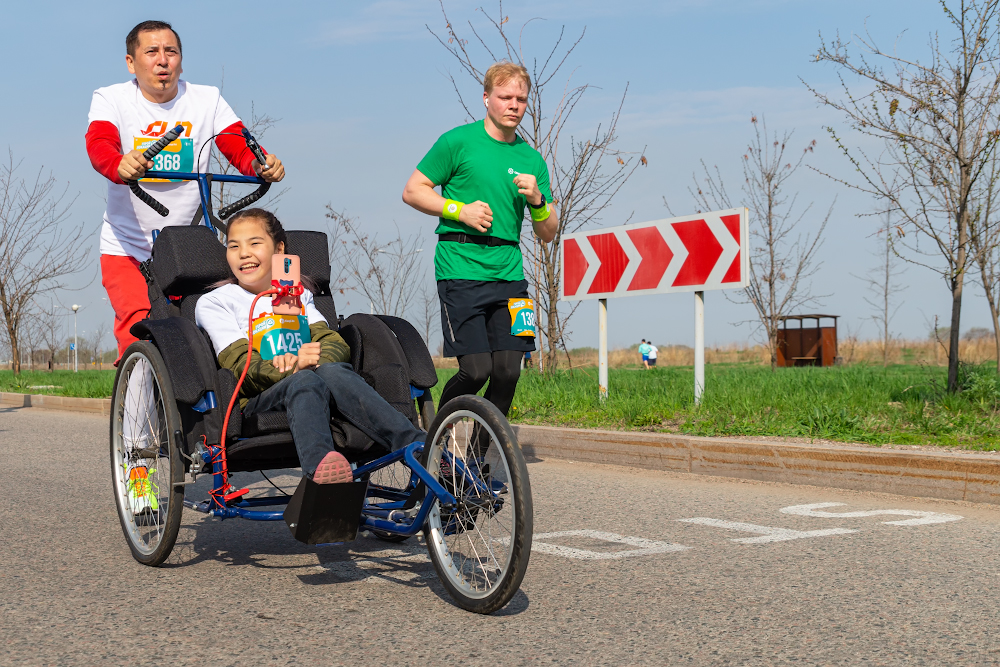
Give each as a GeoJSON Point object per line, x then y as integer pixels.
{"type": "Point", "coordinates": [132, 39]}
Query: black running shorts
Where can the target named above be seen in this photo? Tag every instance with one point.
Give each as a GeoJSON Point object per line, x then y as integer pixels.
{"type": "Point", "coordinates": [475, 318]}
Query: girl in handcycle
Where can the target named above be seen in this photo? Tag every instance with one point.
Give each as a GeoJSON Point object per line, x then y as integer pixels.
{"type": "Point", "coordinates": [305, 381]}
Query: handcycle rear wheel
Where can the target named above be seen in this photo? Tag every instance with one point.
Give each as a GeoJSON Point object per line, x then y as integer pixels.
{"type": "Point", "coordinates": [146, 465]}
{"type": "Point", "coordinates": [480, 549]}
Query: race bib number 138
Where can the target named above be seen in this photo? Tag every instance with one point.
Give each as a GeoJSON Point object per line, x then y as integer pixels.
{"type": "Point", "coordinates": [177, 156]}
{"type": "Point", "coordinates": [522, 317]}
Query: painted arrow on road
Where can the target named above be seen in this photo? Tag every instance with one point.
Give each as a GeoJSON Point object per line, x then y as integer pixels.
{"type": "Point", "coordinates": [693, 253]}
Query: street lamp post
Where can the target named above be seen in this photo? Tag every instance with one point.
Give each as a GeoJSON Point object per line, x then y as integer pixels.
{"type": "Point", "coordinates": [76, 351]}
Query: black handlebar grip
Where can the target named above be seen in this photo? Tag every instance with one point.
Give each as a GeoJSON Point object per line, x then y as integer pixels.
{"type": "Point", "coordinates": [149, 154]}
{"type": "Point", "coordinates": [162, 142]}
{"type": "Point", "coordinates": [147, 199]}
{"type": "Point", "coordinates": [227, 211]}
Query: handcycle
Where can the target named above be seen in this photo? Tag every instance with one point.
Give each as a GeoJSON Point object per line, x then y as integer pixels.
{"type": "Point", "coordinates": [466, 489]}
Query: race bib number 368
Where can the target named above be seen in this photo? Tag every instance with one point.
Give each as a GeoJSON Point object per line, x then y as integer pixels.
{"type": "Point", "coordinates": [275, 335]}
{"type": "Point", "coordinates": [177, 156]}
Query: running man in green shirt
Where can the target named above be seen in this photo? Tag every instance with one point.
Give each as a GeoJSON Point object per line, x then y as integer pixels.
{"type": "Point", "coordinates": [488, 176]}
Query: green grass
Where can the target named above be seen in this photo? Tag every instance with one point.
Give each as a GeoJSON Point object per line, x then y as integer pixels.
{"type": "Point", "coordinates": [898, 405]}
{"type": "Point", "coordinates": [903, 404]}
{"type": "Point", "coordinates": [86, 384]}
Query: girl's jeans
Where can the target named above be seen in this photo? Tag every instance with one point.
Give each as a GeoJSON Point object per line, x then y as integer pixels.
{"type": "Point", "coordinates": [306, 397]}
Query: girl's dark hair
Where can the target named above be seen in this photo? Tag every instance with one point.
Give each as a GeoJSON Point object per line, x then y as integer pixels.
{"type": "Point", "coordinates": [271, 224]}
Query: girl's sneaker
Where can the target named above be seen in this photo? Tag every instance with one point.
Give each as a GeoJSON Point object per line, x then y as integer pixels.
{"type": "Point", "coordinates": [333, 469]}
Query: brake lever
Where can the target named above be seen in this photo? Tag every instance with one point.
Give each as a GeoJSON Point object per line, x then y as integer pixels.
{"type": "Point", "coordinates": [255, 148]}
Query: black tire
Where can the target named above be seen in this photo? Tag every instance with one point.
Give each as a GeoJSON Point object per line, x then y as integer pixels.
{"type": "Point", "coordinates": [494, 517]}
{"type": "Point", "coordinates": [150, 517]}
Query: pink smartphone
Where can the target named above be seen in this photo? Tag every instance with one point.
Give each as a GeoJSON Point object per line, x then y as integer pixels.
{"type": "Point", "coordinates": [285, 270]}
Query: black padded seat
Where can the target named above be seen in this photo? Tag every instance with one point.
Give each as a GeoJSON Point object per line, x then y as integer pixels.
{"type": "Point", "coordinates": [273, 421]}
{"type": "Point", "coordinates": [265, 452]}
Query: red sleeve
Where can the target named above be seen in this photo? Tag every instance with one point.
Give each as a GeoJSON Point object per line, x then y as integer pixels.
{"type": "Point", "coordinates": [233, 146]}
{"type": "Point", "coordinates": [104, 146]}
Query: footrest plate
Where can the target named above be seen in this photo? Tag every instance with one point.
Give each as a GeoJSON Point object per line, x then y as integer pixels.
{"type": "Point", "coordinates": [322, 513]}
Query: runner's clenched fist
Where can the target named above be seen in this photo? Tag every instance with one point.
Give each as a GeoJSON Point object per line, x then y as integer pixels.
{"type": "Point", "coordinates": [477, 215]}
{"type": "Point", "coordinates": [527, 185]}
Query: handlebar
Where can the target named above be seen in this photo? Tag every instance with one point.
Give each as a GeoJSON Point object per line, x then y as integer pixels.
{"type": "Point", "coordinates": [149, 154]}
{"type": "Point", "coordinates": [204, 180]}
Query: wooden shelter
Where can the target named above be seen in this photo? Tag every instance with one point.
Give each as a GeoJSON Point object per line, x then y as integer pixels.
{"type": "Point", "coordinates": [807, 346]}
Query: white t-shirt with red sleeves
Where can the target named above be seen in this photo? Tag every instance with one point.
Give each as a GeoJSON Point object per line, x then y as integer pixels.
{"type": "Point", "coordinates": [128, 223]}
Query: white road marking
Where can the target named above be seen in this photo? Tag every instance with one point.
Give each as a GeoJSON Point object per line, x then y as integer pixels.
{"type": "Point", "coordinates": [646, 547]}
{"type": "Point", "coordinates": [922, 518]}
{"type": "Point", "coordinates": [767, 533]}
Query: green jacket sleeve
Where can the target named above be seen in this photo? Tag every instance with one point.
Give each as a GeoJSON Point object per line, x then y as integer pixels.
{"type": "Point", "coordinates": [261, 375]}
{"type": "Point", "coordinates": [333, 348]}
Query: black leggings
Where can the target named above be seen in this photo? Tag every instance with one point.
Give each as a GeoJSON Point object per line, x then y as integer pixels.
{"type": "Point", "coordinates": [501, 368]}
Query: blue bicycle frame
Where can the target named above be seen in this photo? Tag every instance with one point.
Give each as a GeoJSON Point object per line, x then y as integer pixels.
{"type": "Point", "coordinates": [205, 191]}
{"type": "Point", "coordinates": [374, 516]}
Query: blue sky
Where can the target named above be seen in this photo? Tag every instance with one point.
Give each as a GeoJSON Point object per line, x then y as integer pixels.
{"type": "Point", "coordinates": [361, 91]}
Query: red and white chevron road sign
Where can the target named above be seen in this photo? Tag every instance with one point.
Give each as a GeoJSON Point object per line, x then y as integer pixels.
{"type": "Point", "coordinates": [694, 253]}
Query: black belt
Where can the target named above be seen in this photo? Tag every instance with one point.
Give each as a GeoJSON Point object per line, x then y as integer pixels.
{"type": "Point", "coordinates": [461, 237]}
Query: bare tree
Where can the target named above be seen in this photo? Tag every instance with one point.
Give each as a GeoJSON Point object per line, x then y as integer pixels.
{"type": "Point", "coordinates": [937, 127]}
{"type": "Point", "coordinates": [50, 326]}
{"type": "Point", "coordinates": [428, 315]}
{"type": "Point", "coordinates": [38, 250]}
{"type": "Point", "coordinates": [585, 175]}
{"type": "Point", "coordinates": [388, 274]}
{"type": "Point", "coordinates": [95, 343]}
{"type": "Point", "coordinates": [984, 240]}
{"type": "Point", "coordinates": [881, 282]}
{"type": "Point", "coordinates": [782, 256]}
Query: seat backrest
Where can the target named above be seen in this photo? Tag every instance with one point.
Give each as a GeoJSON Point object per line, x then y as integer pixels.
{"type": "Point", "coordinates": [377, 356]}
{"type": "Point", "coordinates": [188, 260]}
{"type": "Point", "coordinates": [314, 258]}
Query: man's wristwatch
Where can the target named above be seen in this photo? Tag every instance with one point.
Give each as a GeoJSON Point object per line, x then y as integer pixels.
{"type": "Point", "coordinates": [540, 205]}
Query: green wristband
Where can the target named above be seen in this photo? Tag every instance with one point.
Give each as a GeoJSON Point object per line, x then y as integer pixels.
{"type": "Point", "coordinates": [539, 214]}
{"type": "Point", "coordinates": [452, 209]}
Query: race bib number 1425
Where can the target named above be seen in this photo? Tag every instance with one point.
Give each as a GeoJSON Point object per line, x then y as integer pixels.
{"type": "Point", "coordinates": [275, 335]}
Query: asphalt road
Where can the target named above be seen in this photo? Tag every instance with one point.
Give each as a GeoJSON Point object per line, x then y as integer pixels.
{"type": "Point", "coordinates": [629, 567]}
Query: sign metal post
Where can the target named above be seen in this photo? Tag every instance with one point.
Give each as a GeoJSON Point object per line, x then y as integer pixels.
{"type": "Point", "coordinates": [699, 346]}
{"type": "Point", "coordinates": [602, 356]}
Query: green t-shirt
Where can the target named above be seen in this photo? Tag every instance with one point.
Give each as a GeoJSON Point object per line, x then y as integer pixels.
{"type": "Point", "coordinates": [470, 165]}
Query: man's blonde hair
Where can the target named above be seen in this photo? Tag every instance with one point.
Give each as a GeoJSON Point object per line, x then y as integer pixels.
{"type": "Point", "coordinates": [500, 73]}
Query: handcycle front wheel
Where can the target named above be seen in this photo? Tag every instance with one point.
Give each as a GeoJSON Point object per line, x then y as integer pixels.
{"type": "Point", "coordinates": [146, 466]}
{"type": "Point", "coordinates": [480, 548]}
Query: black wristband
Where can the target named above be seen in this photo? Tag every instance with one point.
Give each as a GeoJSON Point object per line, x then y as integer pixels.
{"type": "Point", "coordinates": [540, 205]}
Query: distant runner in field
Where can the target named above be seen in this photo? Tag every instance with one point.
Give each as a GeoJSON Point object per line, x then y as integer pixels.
{"type": "Point", "coordinates": [652, 355]}
{"type": "Point", "coordinates": [488, 176]}
{"type": "Point", "coordinates": [644, 348]}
